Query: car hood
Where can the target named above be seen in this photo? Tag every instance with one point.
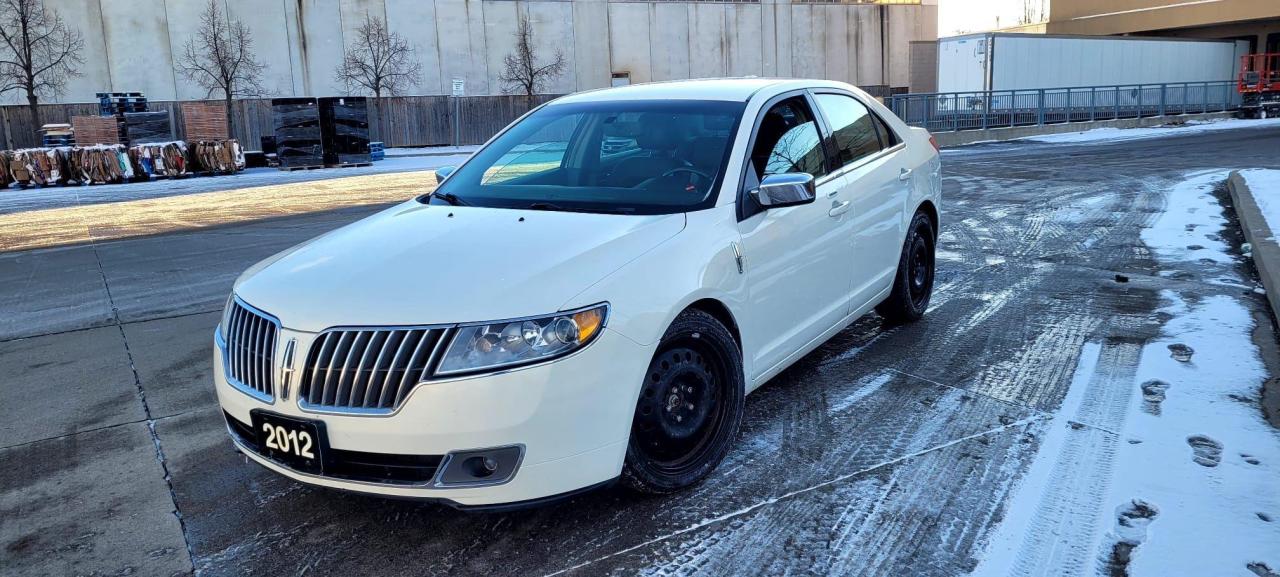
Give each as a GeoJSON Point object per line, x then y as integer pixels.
{"type": "Point", "coordinates": [417, 264]}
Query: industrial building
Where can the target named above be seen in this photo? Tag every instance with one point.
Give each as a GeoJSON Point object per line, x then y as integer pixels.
{"type": "Point", "coordinates": [1254, 21]}
{"type": "Point", "coordinates": [131, 45]}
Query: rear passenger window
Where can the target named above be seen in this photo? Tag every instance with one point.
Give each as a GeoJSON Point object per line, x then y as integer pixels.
{"type": "Point", "coordinates": [887, 137]}
{"type": "Point", "coordinates": [852, 127]}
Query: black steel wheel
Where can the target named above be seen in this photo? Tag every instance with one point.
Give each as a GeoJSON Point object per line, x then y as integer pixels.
{"type": "Point", "coordinates": [689, 408]}
{"type": "Point", "coordinates": [913, 285]}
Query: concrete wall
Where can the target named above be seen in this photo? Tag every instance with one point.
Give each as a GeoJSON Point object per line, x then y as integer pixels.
{"type": "Point", "coordinates": [1097, 17]}
{"type": "Point", "coordinates": [924, 66]}
{"type": "Point", "coordinates": [132, 45]}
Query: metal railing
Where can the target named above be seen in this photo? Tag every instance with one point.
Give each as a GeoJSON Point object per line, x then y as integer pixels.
{"type": "Point", "coordinates": [951, 111]}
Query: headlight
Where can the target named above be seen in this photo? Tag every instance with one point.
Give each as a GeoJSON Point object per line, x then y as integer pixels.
{"type": "Point", "coordinates": [508, 343]}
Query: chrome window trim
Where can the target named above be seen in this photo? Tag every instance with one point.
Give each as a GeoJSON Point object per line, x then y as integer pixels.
{"type": "Point", "coordinates": [861, 162]}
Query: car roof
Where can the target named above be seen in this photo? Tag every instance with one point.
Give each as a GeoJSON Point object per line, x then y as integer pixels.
{"type": "Point", "coordinates": [730, 89]}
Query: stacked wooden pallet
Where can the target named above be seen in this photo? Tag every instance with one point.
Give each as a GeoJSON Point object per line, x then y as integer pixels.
{"type": "Point", "coordinates": [204, 121]}
{"type": "Point", "coordinates": [117, 103]}
{"type": "Point", "coordinates": [147, 127]}
{"type": "Point", "coordinates": [57, 135]}
{"type": "Point", "coordinates": [98, 129]}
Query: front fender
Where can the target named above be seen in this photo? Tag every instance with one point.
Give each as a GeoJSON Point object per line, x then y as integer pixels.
{"type": "Point", "coordinates": [698, 263]}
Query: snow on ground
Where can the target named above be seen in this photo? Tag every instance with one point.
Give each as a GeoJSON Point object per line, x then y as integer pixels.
{"type": "Point", "coordinates": [19, 200]}
{"type": "Point", "coordinates": [1198, 452]}
{"type": "Point", "coordinates": [1265, 186]}
{"type": "Point", "coordinates": [1188, 229]}
{"type": "Point", "coordinates": [462, 151]}
{"type": "Point", "coordinates": [1166, 469]}
{"type": "Point", "coordinates": [1124, 134]}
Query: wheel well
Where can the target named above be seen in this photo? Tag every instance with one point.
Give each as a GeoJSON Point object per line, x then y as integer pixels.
{"type": "Point", "coordinates": [721, 313]}
{"type": "Point", "coordinates": [932, 212]}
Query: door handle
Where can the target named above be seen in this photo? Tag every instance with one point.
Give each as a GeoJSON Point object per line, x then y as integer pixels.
{"type": "Point", "coordinates": [904, 174]}
{"type": "Point", "coordinates": [838, 208]}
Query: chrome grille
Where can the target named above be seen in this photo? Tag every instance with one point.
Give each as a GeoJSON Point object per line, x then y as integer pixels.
{"type": "Point", "coordinates": [367, 370]}
{"type": "Point", "coordinates": [251, 350]}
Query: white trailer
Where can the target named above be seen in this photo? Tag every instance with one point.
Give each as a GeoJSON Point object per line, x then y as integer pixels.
{"type": "Point", "coordinates": [999, 61]}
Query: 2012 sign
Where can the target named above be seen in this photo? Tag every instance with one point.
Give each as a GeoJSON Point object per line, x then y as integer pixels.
{"type": "Point", "coordinates": [292, 441]}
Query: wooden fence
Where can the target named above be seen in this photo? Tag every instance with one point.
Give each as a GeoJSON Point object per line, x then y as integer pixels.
{"type": "Point", "coordinates": [396, 121]}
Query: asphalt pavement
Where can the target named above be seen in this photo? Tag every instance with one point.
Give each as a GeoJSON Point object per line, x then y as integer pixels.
{"type": "Point", "coordinates": [888, 451]}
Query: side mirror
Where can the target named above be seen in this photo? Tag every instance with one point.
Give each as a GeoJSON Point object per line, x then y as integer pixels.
{"type": "Point", "coordinates": [443, 172]}
{"type": "Point", "coordinates": [789, 189]}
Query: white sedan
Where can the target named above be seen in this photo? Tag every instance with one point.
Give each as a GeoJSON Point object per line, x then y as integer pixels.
{"type": "Point", "coordinates": [589, 298]}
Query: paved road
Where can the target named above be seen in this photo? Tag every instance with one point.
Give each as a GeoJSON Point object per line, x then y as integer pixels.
{"type": "Point", "coordinates": [885, 452]}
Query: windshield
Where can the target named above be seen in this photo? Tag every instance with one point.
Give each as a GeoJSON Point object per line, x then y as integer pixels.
{"type": "Point", "coordinates": [633, 157]}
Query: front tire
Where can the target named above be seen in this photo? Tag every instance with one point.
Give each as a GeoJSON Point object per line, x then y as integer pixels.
{"type": "Point", "coordinates": [913, 284]}
{"type": "Point", "coordinates": [689, 409]}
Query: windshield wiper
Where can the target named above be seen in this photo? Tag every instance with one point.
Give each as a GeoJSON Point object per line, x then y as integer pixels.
{"type": "Point", "coordinates": [543, 205]}
{"type": "Point", "coordinates": [450, 198]}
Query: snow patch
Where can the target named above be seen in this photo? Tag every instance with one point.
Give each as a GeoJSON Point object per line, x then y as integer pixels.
{"type": "Point", "coordinates": [863, 390]}
{"type": "Point", "coordinates": [1188, 484]}
{"type": "Point", "coordinates": [1265, 186]}
{"type": "Point", "coordinates": [1188, 229]}
{"type": "Point", "coordinates": [1126, 134]}
{"type": "Point", "coordinates": [1190, 461]}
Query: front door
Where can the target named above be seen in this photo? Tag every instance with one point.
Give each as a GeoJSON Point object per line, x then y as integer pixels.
{"type": "Point", "coordinates": [797, 258]}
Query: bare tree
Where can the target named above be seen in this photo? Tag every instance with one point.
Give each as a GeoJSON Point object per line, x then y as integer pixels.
{"type": "Point", "coordinates": [219, 58]}
{"type": "Point", "coordinates": [379, 61]}
{"type": "Point", "coordinates": [1032, 12]}
{"type": "Point", "coordinates": [39, 52]}
{"type": "Point", "coordinates": [521, 72]}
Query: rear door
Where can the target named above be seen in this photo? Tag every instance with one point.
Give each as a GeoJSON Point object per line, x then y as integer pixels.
{"type": "Point", "coordinates": [872, 163]}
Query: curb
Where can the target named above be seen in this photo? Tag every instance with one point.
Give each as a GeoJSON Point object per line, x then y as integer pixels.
{"type": "Point", "coordinates": [1266, 253]}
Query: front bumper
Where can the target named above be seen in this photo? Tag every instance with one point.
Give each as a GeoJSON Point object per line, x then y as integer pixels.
{"type": "Point", "coordinates": [571, 416]}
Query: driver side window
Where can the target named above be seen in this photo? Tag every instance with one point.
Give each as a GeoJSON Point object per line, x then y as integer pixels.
{"type": "Point", "coordinates": [787, 140]}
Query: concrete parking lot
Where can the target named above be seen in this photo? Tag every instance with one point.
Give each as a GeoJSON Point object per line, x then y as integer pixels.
{"type": "Point", "coordinates": [889, 451]}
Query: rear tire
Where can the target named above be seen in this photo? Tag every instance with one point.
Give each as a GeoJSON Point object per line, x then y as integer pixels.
{"type": "Point", "coordinates": [913, 284]}
{"type": "Point", "coordinates": [689, 409]}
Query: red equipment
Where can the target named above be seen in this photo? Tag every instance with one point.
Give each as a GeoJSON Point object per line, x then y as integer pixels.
{"type": "Point", "coordinates": [1259, 84]}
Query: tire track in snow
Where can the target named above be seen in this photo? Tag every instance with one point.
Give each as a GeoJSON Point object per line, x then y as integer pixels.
{"type": "Point", "coordinates": [737, 547]}
{"type": "Point", "coordinates": [1061, 534]}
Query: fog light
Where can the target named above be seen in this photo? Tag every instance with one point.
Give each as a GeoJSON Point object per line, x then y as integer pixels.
{"type": "Point", "coordinates": [480, 467]}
